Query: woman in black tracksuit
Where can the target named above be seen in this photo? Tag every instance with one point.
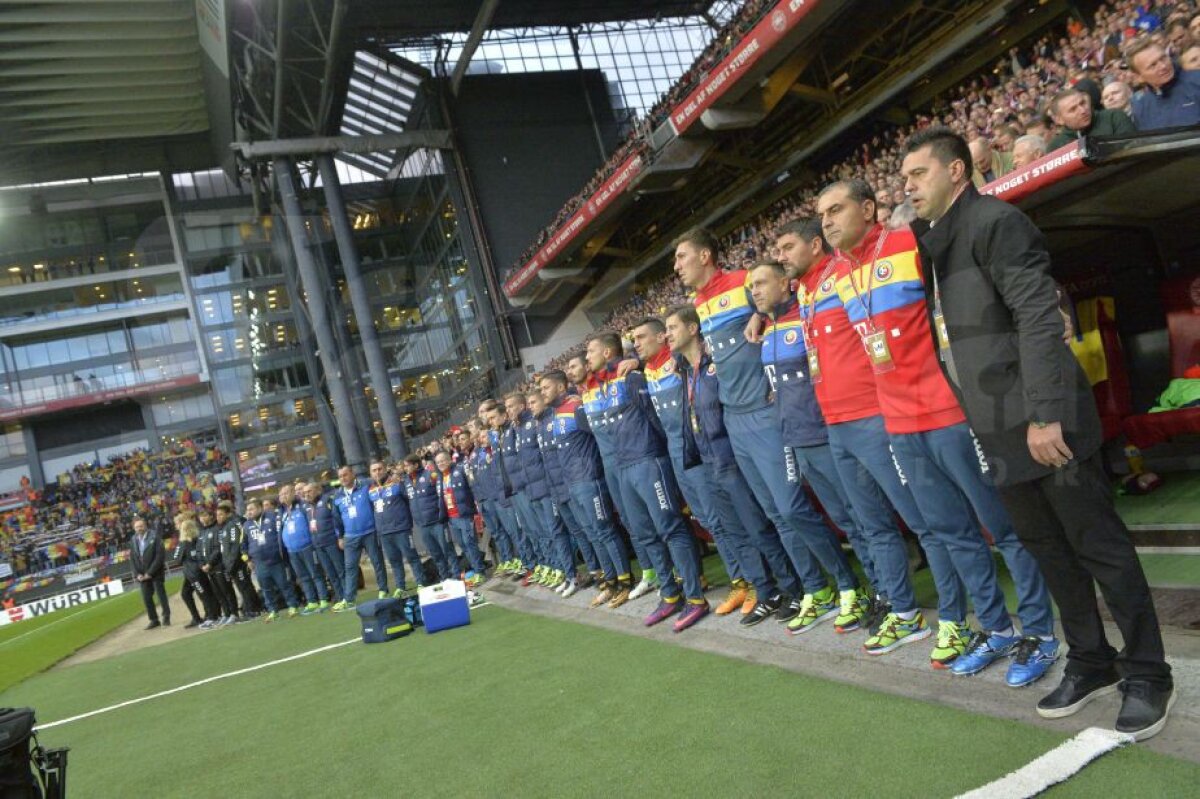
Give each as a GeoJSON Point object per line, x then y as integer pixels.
{"type": "Point", "coordinates": [195, 582]}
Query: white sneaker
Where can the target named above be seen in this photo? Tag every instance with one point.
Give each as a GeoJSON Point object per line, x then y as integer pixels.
{"type": "Point", "coordinates": [570, 589]}
{"type": "Point", "coordinates": [642, 588]}
{"type": "Point", "coordinates": [561, 588]}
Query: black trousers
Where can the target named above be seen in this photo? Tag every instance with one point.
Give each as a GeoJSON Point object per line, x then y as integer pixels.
{"type": "Point", "coordinates": [1068, 522]}
{"type": "Point", "coordinates": [199, 586]}
{"type": "Point", "coordinates": [150, 589]}
{"type": "Point", "coordinates": [239, 576]}
{"type": "Point", "coordinates": [224, 593]}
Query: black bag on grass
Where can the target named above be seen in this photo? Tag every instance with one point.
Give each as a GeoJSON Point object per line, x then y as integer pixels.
{"type": "Point", "coordinates": [27, 770]}
{"type": "Point", "coordinates": [17, 780]}
{"type": "Point", "coordinates": [383, 620]}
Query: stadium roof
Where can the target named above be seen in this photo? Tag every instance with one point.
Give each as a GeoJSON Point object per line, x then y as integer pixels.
{"type": "Point", "coordinates": [95, 87]}
{"type": "Point", "coordinates": [402, 18]}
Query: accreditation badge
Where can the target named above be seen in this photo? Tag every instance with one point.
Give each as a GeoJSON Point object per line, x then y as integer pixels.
{"type": "Point", "coordinates": [878, 351]}
{"type": "Point", "coordinates": [943, 337]}
{"type": "Point", "coordinates": [814, 365]}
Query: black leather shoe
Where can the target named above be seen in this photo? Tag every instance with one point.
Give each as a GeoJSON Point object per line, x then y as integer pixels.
{"type": "Point", "coordinates": [789, 610]}
{"type": "Point", "coordinates": [191, 624]}
{"type": "Point", "coordinates": [1075, 691]}
{"type": "Point", "coordinates": [166, 621]}
{"type": "Point", "coordinates": [152, 625]}
{"type": "Point", "coordinates": [763, 610]}
{"type": "Point", "coordinates": [1144, 708]}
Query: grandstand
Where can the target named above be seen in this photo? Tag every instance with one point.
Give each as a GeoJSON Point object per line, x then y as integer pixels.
{"type": "Point", "coordinates": [247, 244]}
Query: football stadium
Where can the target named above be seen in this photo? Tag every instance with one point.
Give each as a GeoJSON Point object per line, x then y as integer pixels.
{"type": "Point", "coordinates": [624, 397]}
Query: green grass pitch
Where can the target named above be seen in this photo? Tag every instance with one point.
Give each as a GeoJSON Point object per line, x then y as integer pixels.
{"type": "Point", "coordinates": [520, 704]}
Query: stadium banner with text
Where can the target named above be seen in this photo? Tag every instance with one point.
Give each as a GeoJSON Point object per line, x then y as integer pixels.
{"type": "Point", "coordinates": [41, 607]}
{"type": "Point", "coordinates": [595, 205]}
{"type": "Point", "coordinates": [775, 25]}
{"type": "Point", "coordinates": [1047, 170]}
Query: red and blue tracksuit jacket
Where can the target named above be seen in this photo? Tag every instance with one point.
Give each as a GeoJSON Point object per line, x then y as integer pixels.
{"type": "Point", "coordinates": [785, 361]}
{"type": "Point", "coordinates": [724, 307]}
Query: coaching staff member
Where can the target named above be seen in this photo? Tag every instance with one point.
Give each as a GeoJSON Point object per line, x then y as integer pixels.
{"type": "Point", "coordinates": [149, 561]}
{"type": "Point", "coordinates": [987, 276]}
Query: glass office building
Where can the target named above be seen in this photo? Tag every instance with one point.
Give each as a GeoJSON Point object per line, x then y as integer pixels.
{"type": "Point", "coordinates": [177, 297]}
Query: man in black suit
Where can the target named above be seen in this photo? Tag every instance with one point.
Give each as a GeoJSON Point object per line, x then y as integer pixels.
{"type": "Point", "coordinates": [994, 313]}
{"type": "Point", "coordinates": [149, 561]}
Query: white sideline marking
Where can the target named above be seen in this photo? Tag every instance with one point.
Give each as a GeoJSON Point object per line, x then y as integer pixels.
{"type": "Point", "coordinates": [1058, 765]}
{"type": "Point", "coordinates": [205, 681]}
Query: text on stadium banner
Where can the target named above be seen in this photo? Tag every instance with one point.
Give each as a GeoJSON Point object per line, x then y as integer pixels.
{"type": "Point", "coordinates": [81, 596]}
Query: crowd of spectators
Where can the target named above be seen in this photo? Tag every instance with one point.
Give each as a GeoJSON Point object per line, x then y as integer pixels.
{"type": "Point", "coordinates": [1013, 114]}
{"type": "Point", "coordinates": [636, 141]}
{"type": "Point", "coordinates": [1017, 112]}
{"type": "Point", "coordinates": [88, 511]}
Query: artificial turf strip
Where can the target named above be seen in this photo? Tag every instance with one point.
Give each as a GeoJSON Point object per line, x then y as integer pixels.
{"type": "Point", "coordinates": [522, 704]}
{"type": "Point", "coordinates": [28, 647]}
{"type": "Point", "coordinates": [1176, 502]}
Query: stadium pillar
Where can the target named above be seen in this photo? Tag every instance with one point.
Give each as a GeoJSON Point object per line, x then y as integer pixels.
{"type": "Point", "coordinates": [308, 347]}
{"type": "Point", "coordinates": [360, 301]}
{"type": "Point", "coordinates": [343, 413]}
{"type": "Point", "coordinates": [34, 457]}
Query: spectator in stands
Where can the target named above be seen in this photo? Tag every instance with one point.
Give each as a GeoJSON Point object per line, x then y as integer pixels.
{"type": "Point", "coordinates": [1117, 96]}
{"type": "Point", "coordinates": [1189, 57]}
{"type": "Point", "coordinates": [1171, 97]}
{"type": "Point", "coordinates": [989, 164]}
{"type": "Point", "coordinates": [1072, 111]}
{"type": "Point", "coordinates": [1028, 149]}
{"type": "Point", "coordinates": [149, 561]}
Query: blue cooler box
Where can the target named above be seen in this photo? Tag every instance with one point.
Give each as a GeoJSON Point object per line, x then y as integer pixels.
{"type": "Point", "coordinates": [444, 606]}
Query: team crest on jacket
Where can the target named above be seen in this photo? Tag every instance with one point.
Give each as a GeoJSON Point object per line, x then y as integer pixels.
{"type": "Point", "coordinates": [827, 286]}
{"type": "Point", "coordinates": [883, 270]}
{"type": "Point", "coordinates": [790, 337]}
{"type": "Point", "coordinates": [723, 302]}
{"type": "Point", "coordinates": [668, 365]}
{"type": "Point", "coordinates": [712, 369]}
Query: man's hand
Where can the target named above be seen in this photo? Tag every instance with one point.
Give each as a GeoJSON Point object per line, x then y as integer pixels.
{"type": "Point", "coordinates": [1047, 446]}
{"type": "Point", "coordinates": [754, 326]}
{"type": "Point", "coordinates": [1068, 327]}
{"type": "Point", "coordinates": [204, 568]}
{"type": "Point", "coordinates": [626, 366]}
{"type": "Point", "coordinates": [341, 544]}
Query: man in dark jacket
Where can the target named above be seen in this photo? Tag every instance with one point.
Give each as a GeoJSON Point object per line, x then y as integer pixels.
{"type": "Point", "coordinates": [212, 565]}
{"type": "Point", "coordinates": [236, 572]}
{"type": "Point", "coordinates": [393, 524]}
{"type": "Point", "coordinates": [460, 508]}
{"type": "Point", "coordinates": [1072, 110]}
{"type": "Point", "coordinates": [987, 279]}
{"type": "Point", "coordinates": [148, 558]}
{"type": "Point", "coordinates": [323, 524]}
{"type": "Point", "coordinates": [429, 514]}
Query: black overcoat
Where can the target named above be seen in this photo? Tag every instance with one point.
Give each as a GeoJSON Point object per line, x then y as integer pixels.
{"type": "Point", "coordinates": [1000, 307]}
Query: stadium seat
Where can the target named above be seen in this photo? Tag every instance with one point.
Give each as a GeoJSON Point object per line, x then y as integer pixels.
{"type": "Point", "coordinates": [1183, 330]}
